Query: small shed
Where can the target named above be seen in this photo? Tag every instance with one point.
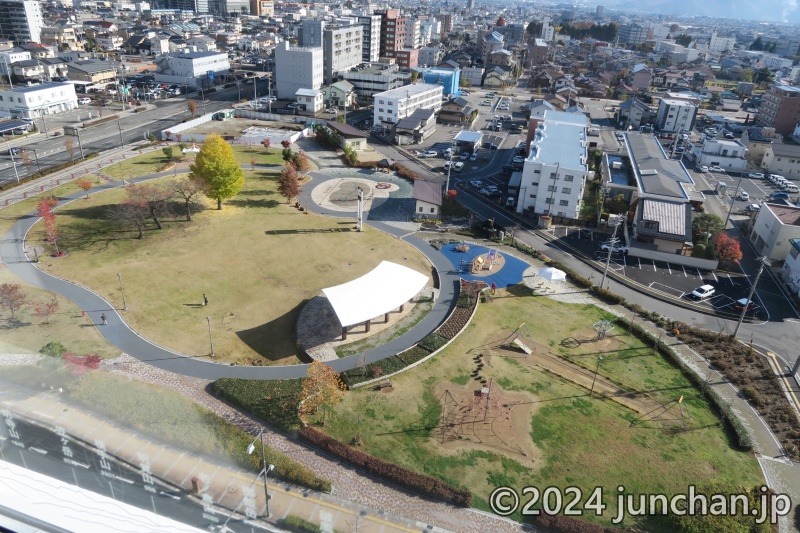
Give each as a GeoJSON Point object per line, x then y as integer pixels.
{"type": "Point", "coordinates": [355, 138]}
{"type": "Point", "coordinates": [428, 197]}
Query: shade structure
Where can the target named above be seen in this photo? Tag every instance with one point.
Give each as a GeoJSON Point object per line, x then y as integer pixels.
{"type": "Point", "coordinates": [552, 274]}
{"type": "Point", "coordinates": [383, 289]}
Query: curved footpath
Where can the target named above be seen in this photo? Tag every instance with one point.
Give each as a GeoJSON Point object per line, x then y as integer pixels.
{"type": "Point", "coordinates": [118, 333]}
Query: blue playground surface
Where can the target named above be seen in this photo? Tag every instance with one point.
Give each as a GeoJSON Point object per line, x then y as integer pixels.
{"type": "Point", "coordinates": [509, 274]}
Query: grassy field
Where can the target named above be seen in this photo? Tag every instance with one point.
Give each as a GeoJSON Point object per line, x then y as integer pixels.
{"type": "Point", "coordinates": [258, 261]}
{"type": "Point", "coordinates": [67, 326]}
{"type": "Point", "coordinates": [567, 438]}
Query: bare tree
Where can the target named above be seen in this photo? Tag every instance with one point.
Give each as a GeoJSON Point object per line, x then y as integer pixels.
{"type": "Point", "coordinates": [69, 145]}
{"type": "Point", "coordinates": [152, 198]}
{"type": "Point", "coordinates": [12, 297]}
{"type": "Point", "coordinates": [191, 105]}
{"type": "Point", "coordinates": [26, 160]}
{"type": "Point", "coordinates": [187, 190]}
{"type": "Point", "coordinates": [129, 214]}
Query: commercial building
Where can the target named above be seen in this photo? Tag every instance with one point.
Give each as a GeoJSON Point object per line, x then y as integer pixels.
{"type": "Point", "coordinates": [37, 100]}
{"type": "Point", "coordinates": [780, 108]}
{"type": "Point", "coordinates": [376, 78]}
{"type": "Point", "coordinates": [675, 115]}
{"type": "Point", "coordinates": [555, 171]}
{"type": "Point", "coordinates": [311, 33]}
{"type": "Point", "coordinates": [396, 104]}
{"type": "Point", "coordinates": [91, 70]}
{"type": "Point", "coordinates": [370, 38]}
{"type": "Point", "coordinates": [21, 21]}
{"type": "Point", "coordinates": [341, 50]}
{"type": "Point", "coordinates": [196, 68]}
{"type": "Point", "coordinates": [783, 159]}
{"type": "Point", "coordinates": [731, 154]}
{"type": "Point", "coordinates": [450, 80]}
{"type": "Point", "coordinates": [774, 226]}
{"type": "Point", "coordinates": [393, 32]}
{"type": "Point", "coordinates": [262, 8]}
{"type": "Point", "coordinates": [297, 67]}
{"type": "Point", "coordinates": [632, 34]}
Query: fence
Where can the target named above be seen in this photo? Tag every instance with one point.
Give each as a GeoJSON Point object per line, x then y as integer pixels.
{"type": "Point", "coordinates": [171, 133]}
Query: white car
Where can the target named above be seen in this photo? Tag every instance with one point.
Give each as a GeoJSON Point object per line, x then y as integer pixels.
{"type": "Point", "coordinates": [85, 101]}
{"type": "Point", "coordinates": [701, 293]}
{"type": "Point", "coordinates": [458, 167]}
{"type": "Point", "coordinates": [616, 248]}
{"type": "Point", "coordinates": [464, 156]}
{"type": "Point", "coordinates": [486, 102]}
{"type": "Point", "coordinates": [716, 168]}
{"type": "Point", "coordinates": [744, 196]}
{"type": "Point", "coordinates": [430, 153]}
{"type": "Point", "coordinates": [476, 184]}
{"type": "Point", "coordinates": [332, 110]}
{"type": "Point", "coordinates": [473, 157]}
{"type": "Point", "coordinates": [756, 176]}
{"type": "Point", "coordinates": [518, 160]}
{"type": "Point", "coordinates": [703, 168]}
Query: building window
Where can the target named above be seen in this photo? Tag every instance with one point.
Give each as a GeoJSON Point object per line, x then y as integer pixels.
{"type": "Point", "coordinates": [433, 209]}
{"type": "Point", "coordinates": [649, 224]}
{"type": "Point", "coordinates": [537, 171]}
{"type": "Point", "coordinates": [566, 190]}
{"type": "Point", "coordinates": [533, 196]}
{"type": "Point", "coordinates": [552, 175]}
{"type": "Point", "coordinates": [548, 200]}
{"type": "Point", "coordinates": [568, 178]}
{"type": "Point", "coordinates": [551, 188]}
{"type": "Point", "coordinates": [563, 202]}
{"type": "Point", "coordinates": [421, 209]}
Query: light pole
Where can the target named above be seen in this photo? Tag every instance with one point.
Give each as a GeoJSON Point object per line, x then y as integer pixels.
{"type": "Point", "coordinates": [449, 168]}
{"type": "Point", "coordinates": [122, 290]}
{"type": "Point", "coordinates": [611, 242]}
{"type": "Point", "coordinates": [80, 144]}
{"type": "Point", "coordinates": [210, 339]}
{"type": "Point", "coordinates": [267, 468]}
{"type": "Point", "coordinates": [596, 369]}
{"type": "Point", "coordinates": [733, 201]}
{"type": "Point", "coordinates": [13, 161]}
{"type": "Point", "coordinates": [764, 262]}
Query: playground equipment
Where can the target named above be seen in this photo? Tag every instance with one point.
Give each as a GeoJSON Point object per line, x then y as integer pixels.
{"type": "Point", "coordinates": [602, 327]}
{"type": "Point", "coordinates": [518, 339]}
{"type": "Point", "coordinates": [659, 414]}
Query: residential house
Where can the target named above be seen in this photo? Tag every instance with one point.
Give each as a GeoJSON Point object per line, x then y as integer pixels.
{"type": "Point", "coordinates": [54, 67]}
{"type": "Point", "coordinates": [730, 154]}
{"type": "Point", "coordinates": [63, 37]}
{"type": "Point", "coordinates": [310, 100]}
{"type": "Point", "coordinates": [203, 43]}
{"type": "Point", "coordinates": [473, 76]}
{"type": "Point", "coordinates": [339, 94]}
{"type": "Point", "coordinates": [640, 77]}
{"type": "Point", "coordinates": [497, 78]}
{"type": "Point", "coordinates": [633, 114]}
{"type": "Point", "coordinates": [29, 70]}
{"type": "Point", "coordinates": [350, 136]}
{"type": "Point", "coordinates": [773, 228]}
{"type": "Point", "coordinates": [428, 198]}
{"type": "Point", "coordinates": [109, 41]}
{"type": "Point", "coordinates": [91, 70]}
{"type": "Point", "coordinates": [757, 139]}
{"type": "Point", "coordinates": [783, 159]}
{"type": "Point", "coordinates": [416, 127]}
{"type": "Point", "coordinates": [456, 111]}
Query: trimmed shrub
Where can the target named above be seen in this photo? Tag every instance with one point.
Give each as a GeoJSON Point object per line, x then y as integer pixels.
{"type": "Point", "coordinates": [275, 401]}
{"type": "Point", "coordinates": [433, 342]}
{"type": "Point", "coordinates": [300, 525]}
{"type": "Point", "coordinates": [405, 172]}
{"type": "Point", "coordinates": [395, 473]}
{"type": "Point", "coordinates": [413, 354]}
{"type": "Point", "coordinates": [53, 349]}
{"type": "Point", "coordinates": [464, 300]}
{"type": "Point", "coordinates": [608, 296]}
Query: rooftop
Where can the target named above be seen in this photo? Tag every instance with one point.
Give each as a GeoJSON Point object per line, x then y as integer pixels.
{"type": "Point", "coordinates": [427, 191]}
{"type": "Point", "coordinates": [559, 140]}
{"type": "Point", "coordinates": [787, 214]}
{"type": "Point", "coordinates": [39, 87]}
{"type": "Point", "coordinates": [199, 55]}
{"type": "Point", "coordinates": [671, 216]}
{"type": "Point", "coordinates": [656, 174]}
{"type": "Point", "coordinates": [409, 90]}
{"type": "Point", "coordinates": [345, 130]}
{"type": "Point", "coordinates": [787, 150]}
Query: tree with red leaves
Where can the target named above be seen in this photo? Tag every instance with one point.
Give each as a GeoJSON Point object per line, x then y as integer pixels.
{"type": "Point", "coordinates": [12, 297]}
{"type": "Point", "coordinates": [728, 249]}
{"type": "Point", "coordinates": [289, 184]}
{"type": "Point", "coordinates": [45, 309]}
{"type": "Point", "coordinates": [286, 144]}
{"type": "Point", "coordinates": [451, 194]}
{"type": "Point", "coordinates": [84, 184]}
{"type": "Point", "coordinates": [266, 143]}
{"type": "Point", "coordinates": [80, 365]}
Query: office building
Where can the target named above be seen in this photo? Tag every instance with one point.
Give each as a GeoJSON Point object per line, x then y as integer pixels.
{"type": "Point", "coordinates": [297, 67]}
{"type": "Point", "coordinates": [371, 38]}
{"type": "Point", "coordinates": [21, 21]}
{"type": "Point", "coordinates": [632, 34]}
{"type": "Point", "coordinates": [780, 108]}
{"type": "Point", "coordinates": [393, 32]}
{"type": "Point", "coordinates": [392, 106]}
{"type": "Point", "coordinates": [341, 50]}
{"type": "Point", "coordinates": [37, 100]}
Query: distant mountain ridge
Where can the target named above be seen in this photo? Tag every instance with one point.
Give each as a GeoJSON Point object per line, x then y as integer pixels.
{"type": "Point", "coordinates": [772, 11]}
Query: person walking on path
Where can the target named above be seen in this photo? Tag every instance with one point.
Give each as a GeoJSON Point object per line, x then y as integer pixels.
{"type": "Point", "coordinates": [104, 319]}
{"type": "Point", "coordinates": [205, 300]}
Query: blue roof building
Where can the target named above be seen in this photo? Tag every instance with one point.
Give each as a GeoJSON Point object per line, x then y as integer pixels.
{"type": "Point", "coordinates": [448, 79]}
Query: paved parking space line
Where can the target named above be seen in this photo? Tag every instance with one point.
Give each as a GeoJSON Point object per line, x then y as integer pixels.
{"type": "Point", "coordinates": [715, 276]}
{"type": "Point", "coordinates": [698, 274]}
{"type": "Point", "coordinates": [654, 266]}
{"type": "Point", "coordinates": [668, 268]}
{"type": "Point", "coordinates": [640, 263]}
{"type": "Point", "coordinates": [730, 278]}
{"type": "Point", "coordinates": [666, 289]}
{"type": "Point", "coordinates": [684, 271]}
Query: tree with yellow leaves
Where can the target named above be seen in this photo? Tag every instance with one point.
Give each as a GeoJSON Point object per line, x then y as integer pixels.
{"type": "Point", "coordinates": [322, 388]}
{"type": "Point", "coordinates": [217, 168]}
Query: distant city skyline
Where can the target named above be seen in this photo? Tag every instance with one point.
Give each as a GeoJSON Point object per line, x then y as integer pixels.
{"type": "Point", "coordinates": [779, 11]}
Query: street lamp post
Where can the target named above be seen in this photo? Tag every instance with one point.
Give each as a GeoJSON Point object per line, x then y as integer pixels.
{"type": "Point", "coordinates": [267, 467]}
{"type": "Point", "coordinates": [13, 161]}
{"type": "Point", "coordinates": [122, 290]}
{"type": "Point", "coordinates": [733, 201]}
{"type": "Point", "coordinates": [449, 168]}
{"type": "Point", "coordinates": [611, 242]}
{"type": "Point", "coordinates": [80, 144]}
{"type": "Point", "coordinates": [764, 262]}
{"type": "Point", "coordinates": [596, 369]}
{"type": "Point", "coordinates": [210, 339]}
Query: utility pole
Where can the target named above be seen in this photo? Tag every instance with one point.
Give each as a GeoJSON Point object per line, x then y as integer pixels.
{"type": "Point", "coordinates": [733, 200]}
{"type": "Point", "coordinates": [611, 242]}
{"type": "Point", "coordinates": [764, 262]}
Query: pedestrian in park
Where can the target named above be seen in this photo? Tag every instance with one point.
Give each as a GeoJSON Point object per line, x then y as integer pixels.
{"type": "Point", "coordinates": [205, 300]}
{"type": "Point", "coordinates": [494, 288]}
{"type": "Point", "coordinates": [103, 318]}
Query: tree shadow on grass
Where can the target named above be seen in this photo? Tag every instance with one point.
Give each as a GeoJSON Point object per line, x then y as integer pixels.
{"type": "Point", "coordinates": [260, 192]}
{"type": "Point", "coordinates": [274, 340]}
{"type": "Point", "coordinates": [253, 202]}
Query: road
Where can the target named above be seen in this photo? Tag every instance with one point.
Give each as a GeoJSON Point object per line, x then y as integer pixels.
{"type": "Point", "coordinates": [129, 129]}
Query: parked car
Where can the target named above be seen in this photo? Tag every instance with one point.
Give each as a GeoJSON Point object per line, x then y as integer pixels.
{"type": "Point", "coordinates": [792, 188]}
{"type": "Point", "coordinates": [292, 106]}
{"type": "Point", "coordinates": [703, 168]}
{"type": "Point", "coordinates": [430, 153]}
{"type": "Point", "coordinates": [780, 195]}
{"type": "Point", "coordinates": [701, 293]}
{"type": "Point", "coordinates": [447, 165]}
{"type": "Point", "coordinates": [490, 146]}
{"type": "Point", "coordinates": [756, 176]}
{"type": "Point", "coordinates": [489, 189]}
{"type": "Point", "coordinates": [447, 153]}
{"type": "Point", "coordinates": [473, 157]}
{"type": "Point", "coordinates": [486, 102]}
{"type": "Point", "coordinates": [14, 151]}
{"type": "Point", "coordinates": [332, 110]}
{"type": "Point", "coordinates": [518, 160]}
{"type": "Point", "coordinates": [83, 101]}
{"type": "Point", "coordinates": [458, 167]}
{"type": "Point", "coordinates": [753, 208]}
{"type": "Point", "coordinates": [716, 168]}
{"type": "Point", "coordinates": [744, 196]}
{"type": "Point", "coordinates": [464, 156]}
{"type": "Point", "coordinates": [489, 95]}
{"type": "Point", "coordinates": [744, 303]}
{"type": "Point", "coordinates": [616, 247]}
{"type": "Point", "coordinates": [476, 184]}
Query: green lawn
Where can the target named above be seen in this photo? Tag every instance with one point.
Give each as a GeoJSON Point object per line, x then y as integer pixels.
{"type": "Point", "coordinates": [258, 261]}
{"type": "Point", "coordinates": [574, 439]}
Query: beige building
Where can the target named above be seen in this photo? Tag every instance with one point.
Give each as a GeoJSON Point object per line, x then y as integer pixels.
{"type": "Point", "coordinates": [774, 226]}
{"type": "Point", "coordinates": [783, 159]}
{"type": "Point", "coordinates": [91, 70]}
{"type": "Point", "coordinates": [64, 38]}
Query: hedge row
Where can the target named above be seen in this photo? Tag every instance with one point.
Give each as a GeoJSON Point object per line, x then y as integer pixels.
{"type": "Point", "coordinates": [389, 365]}
{"type": "Point", "coordinates": [723, 408]}
{"type": "Point", "coordinates": [300, 525]}
{"type": "Point", "coordinates": [46, 171]}
{"type": "Point", "coordinates": [405, 172]}
{"type": "Point", "coordinates": [567, 524]}
{"type": "Point", "coordinates": [397, 474]}
{"type": "Point", "coordinates": [275, 401]}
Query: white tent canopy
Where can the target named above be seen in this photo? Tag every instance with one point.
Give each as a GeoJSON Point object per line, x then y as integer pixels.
{"type": "Point", "coordinates": [384, 289]}
{"type": "Point", "coordinates": [552, 274]}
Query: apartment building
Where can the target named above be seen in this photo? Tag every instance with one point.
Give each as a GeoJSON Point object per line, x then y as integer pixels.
{"type": "Point", "coordinates": [675, 115]}
{"type": "Point", "coordinates": [370, 37]}
{"type": "Point", "coordinates": [21, 21]}
{"type": "Point", "coordinates": [393, 32]}
{"type": "Point", "coordinates": [556, 169]}
{"type": "Point", "coordinates": [396, 104]}
{"type": "Point", "coordinates": [373, 79]}
{"type": "Point", "coordinates": [632, 34]}
{"type": "Point", "coordinates": [341, 50]}
{"type": "Point", "coordinates": [780, 108]}
{"type": "Point", "coordinates": [297, 67]}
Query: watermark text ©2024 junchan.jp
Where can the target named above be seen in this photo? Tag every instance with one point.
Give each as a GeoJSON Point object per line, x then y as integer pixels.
{"type": "Point", "coordinates": [571, 501]}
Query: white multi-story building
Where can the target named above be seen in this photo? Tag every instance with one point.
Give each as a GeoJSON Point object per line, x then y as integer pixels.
{"type": "Point", "coordinates": [430, 56]}
{"type": "Point", "coordinates": [21, 21]}
{"type": "Point", "coordinates": [195, 68]}
{"type": "Point", "coordinates": [675, 115]}
{"type": "Point", "coordinates": [720, 44]}
{"type": "Point", "coordinates": [391, 106]}
{"type": "Point", "coordinates": [7, 57]}
{"type": "Point", "coordinates": [297, 67]}
{"type": "Point", "coordinates": [430, 30]}
{"type": "Point", "coordinates": [371, 37]}
{"type": "Point", "coordinates": [109, 41]}
{"type": "Point", "coordinates": [377, 78]}
{"type": "Point", "coordinates": [556, 170]}
{"type": "Point", "coordinates": [413, 36]}
{"type": "Point", "coordinates": [37, 100]}
{"type": "Point", "coordinates": [731, 155]}
{"type": "Point", "coordinates": [341, 50]}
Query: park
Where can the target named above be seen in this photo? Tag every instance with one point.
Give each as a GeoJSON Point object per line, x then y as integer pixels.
{"type": "Point", "coordinates": [541, 385]}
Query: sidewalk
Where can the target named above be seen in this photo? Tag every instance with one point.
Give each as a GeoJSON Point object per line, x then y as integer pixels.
{"type": "Point", "coordinates": [221, 487]}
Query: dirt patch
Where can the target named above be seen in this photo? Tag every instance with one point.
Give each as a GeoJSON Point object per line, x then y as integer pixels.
{"type": "Point", "coordinates": [498, 421]}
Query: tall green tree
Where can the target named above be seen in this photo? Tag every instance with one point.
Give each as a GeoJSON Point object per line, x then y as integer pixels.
{"type": "Point", "coordinates": [217, 168]}
{"type": "Point", "coordinates": [706, 225]}
{"type": "Point", "coordinates": [683, 39]}
{"type": "Point", "coordinates": [758, 44]}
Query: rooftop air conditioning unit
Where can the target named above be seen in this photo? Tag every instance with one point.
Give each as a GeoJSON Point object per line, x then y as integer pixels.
{"type": "Point", "coordinates": [616, 165]}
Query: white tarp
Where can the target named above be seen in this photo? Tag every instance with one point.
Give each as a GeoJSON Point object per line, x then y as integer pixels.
{"type": "Point", "coordinates": [384, 289]}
